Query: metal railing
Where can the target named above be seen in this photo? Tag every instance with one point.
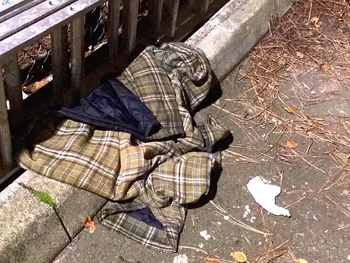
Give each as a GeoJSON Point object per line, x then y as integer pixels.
{"type": "Point", "coordinates": [58, 37]}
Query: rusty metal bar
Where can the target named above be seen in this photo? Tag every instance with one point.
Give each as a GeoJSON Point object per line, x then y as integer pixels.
{"type": "Point", "coordinates": [77, 53]}
{"type": "Point", "coordinates": [5, 136]}
{"type": "Point", "coordinates": [171, 8]}
{"type": "Point", "coordinates": [155, 16]}
{"type": "Point", "coordinates": [13, 88]}
{"type": "Point", "coordinates": [113, 27]}
{"type": "Point", "coordinates": [130, 12]}
{"type": "Point", "coordinates": [59, 41]}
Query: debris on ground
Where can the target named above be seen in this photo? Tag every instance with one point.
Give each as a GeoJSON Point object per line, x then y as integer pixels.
{"type": "Point", "coordinates": [181, 258]}
{"type": "Point", "coordinates": [90, 225]}
{"type": "Point", "coordinates": [264, 194]}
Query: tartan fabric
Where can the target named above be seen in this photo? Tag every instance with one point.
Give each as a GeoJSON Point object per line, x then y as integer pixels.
{"type": "Point", "coordinates": [163, 175]}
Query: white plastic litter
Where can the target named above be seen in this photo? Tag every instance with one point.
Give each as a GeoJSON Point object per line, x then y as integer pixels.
{"type": "Point", "coordinates": [264, 194]}
{"type": "Point", "coordinates": [181, 258]}
{"type": "Point", "coordinates": [205, 234]}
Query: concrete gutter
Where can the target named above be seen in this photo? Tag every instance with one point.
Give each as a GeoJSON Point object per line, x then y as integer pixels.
{"type": "Point", "coordinates": [31, 231]}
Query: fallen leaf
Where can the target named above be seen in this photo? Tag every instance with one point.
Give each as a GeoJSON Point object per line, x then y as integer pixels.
{"type": "Point", "coordinates": [291, 144]}
{"type": "Point", "coordinates": [239, 256]}
{"type": "Point", "coordinates": [316, 21]}
{"type": "Point", "coordinates": [326, 67]}
{"type": "Point", "coordinates": [289, 109]}
{"type": "Point", "coordinates": [211, 260]}
{"type": "Point", "coordinates": [281, 61]}
{"type": "Point", "coordinates": [90, 225]}
{"type": "Point", "coordinates": [300, 260]}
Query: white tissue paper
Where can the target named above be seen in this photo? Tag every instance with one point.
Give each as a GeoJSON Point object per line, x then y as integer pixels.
{"type": "Point", "coordinates": [264, 194]}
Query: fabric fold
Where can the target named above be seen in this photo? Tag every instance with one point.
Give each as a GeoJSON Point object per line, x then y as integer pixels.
{"type": "Point", "coordinates": [162, 174]}
{"type": "Point", "coordinates": [112, 106]}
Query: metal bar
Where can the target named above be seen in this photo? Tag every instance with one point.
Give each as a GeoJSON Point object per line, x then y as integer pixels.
{"type": "Point", "coordinates": [5, 136]}
{"type": "Point", "coordinates": [8, 6]}
{"type": "Point", "coordinates": [171, 9]}
{"type": "Point", "coordinates": [155, 15]}
{"type": "Point", "coordinates": [59, 41]}
{"type": "Point", "coordinates": [13, 88]}
{"type": "Point", "coordinates": [8, 11]}
{"type": "Point", "coordinates": [113, 27]}
{"type": "Point", "coordinates": [77, 53]}
{"type": "Point", "coordinates": [43, 27]}
{"type": "Point", "coordinates": [31, 16]}
{"type": "Point", "coordinates": [130, 9]}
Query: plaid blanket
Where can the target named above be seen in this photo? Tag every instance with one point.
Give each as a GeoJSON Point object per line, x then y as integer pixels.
{"type": "Point", "coordinates": [163, 175]}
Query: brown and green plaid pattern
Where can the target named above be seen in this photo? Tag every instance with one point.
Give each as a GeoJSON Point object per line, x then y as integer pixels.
{"type": "Point", "coordinates": [163, 175]}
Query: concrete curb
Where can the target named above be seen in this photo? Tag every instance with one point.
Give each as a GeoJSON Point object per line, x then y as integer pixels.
{"type": "Point", "coordinates": [233, 31]}
{"type": "Point", "coordinates": [31, 230]}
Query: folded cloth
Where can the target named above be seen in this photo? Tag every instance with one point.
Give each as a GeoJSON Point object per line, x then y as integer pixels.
{"type": "Point", "coordinates": [113, 107]}
{"type": "Point", "coordinates": [163, 175]}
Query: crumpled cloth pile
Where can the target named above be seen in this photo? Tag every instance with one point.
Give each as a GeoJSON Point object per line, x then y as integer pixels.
{"type": "Point", "coordinates": [134, 141]}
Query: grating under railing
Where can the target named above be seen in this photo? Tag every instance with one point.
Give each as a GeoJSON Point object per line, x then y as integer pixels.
{"type": "Point", "coordinates": [58, 44]}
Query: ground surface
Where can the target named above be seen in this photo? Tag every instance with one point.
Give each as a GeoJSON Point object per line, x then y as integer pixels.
{"type": "Point", "coordinates": [288, 107]}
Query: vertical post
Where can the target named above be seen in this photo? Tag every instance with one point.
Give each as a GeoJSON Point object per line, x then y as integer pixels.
{"type": "Point", "coordinates": [130, 9]}
{"type": "Point", "coordinates": [113, 28]}
{"type": "Point", "coordinates": [171, 8]}
{"type": "Point", "coordinates": [13, 88]}
{"type": "Point", "coordinates": [203, 6]}
{"type": "Point", "coordinates": [5, 136]}
{"type": "Point", "coordinates": [155, 16]}
{"type": "Point", "coordinates": [59, 42]}
{"type": "Point", "coordinates": [77, 54]}
{"type": "Point", "coordinates": [200, 6]}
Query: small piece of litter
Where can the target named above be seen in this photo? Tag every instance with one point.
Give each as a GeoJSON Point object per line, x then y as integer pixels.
{"type": "Point", "coordinates": [264, 194]}
{"type": "Point", "coordinates": [182, 258]}
{"type": "Point", "coordinates": [201, 245]}
{"type": "Point", "coordinates": [205, 234]}
{"type": "Point", "coordinates": [219, 223]}
{"type": "Point", "coordinates": [348, 258]}
{"type": "Point", "coordinates": [300, 260]}
{"type": "Point", "coordinates": [313, 92]}
{"type": "Point", "coordinates": [226, 217]}
{"type": "Point", "coordinates": [247, 211]}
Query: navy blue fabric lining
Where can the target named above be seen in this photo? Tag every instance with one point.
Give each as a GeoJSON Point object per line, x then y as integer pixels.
{"type": "Point", "coordinates": [112, 106]}
{"type": "Point", "coordinates": [145, 215]}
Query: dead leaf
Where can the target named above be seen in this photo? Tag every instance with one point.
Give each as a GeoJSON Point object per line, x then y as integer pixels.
{"type": "Point", "coordinates": [239, 256]}
{"type": "Point", "coordinates": [291, 144]}
{"type": "Point", "coordinates": [326, 67]}
{"type": "Point", "coordinates": [299, 54]}
{"type": "Point", "coordinates": [211, 260]}
{"type": "Point", "coordinates": [289, 109]}
{"type": "Point", "coordinates": [300, 260]}
{"type": "Point", "coordinates": [316, 21]}
{"type": "Point", "coordinates": [281, 61]}
{"type": "Point", "coordinates": [90, 225]}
